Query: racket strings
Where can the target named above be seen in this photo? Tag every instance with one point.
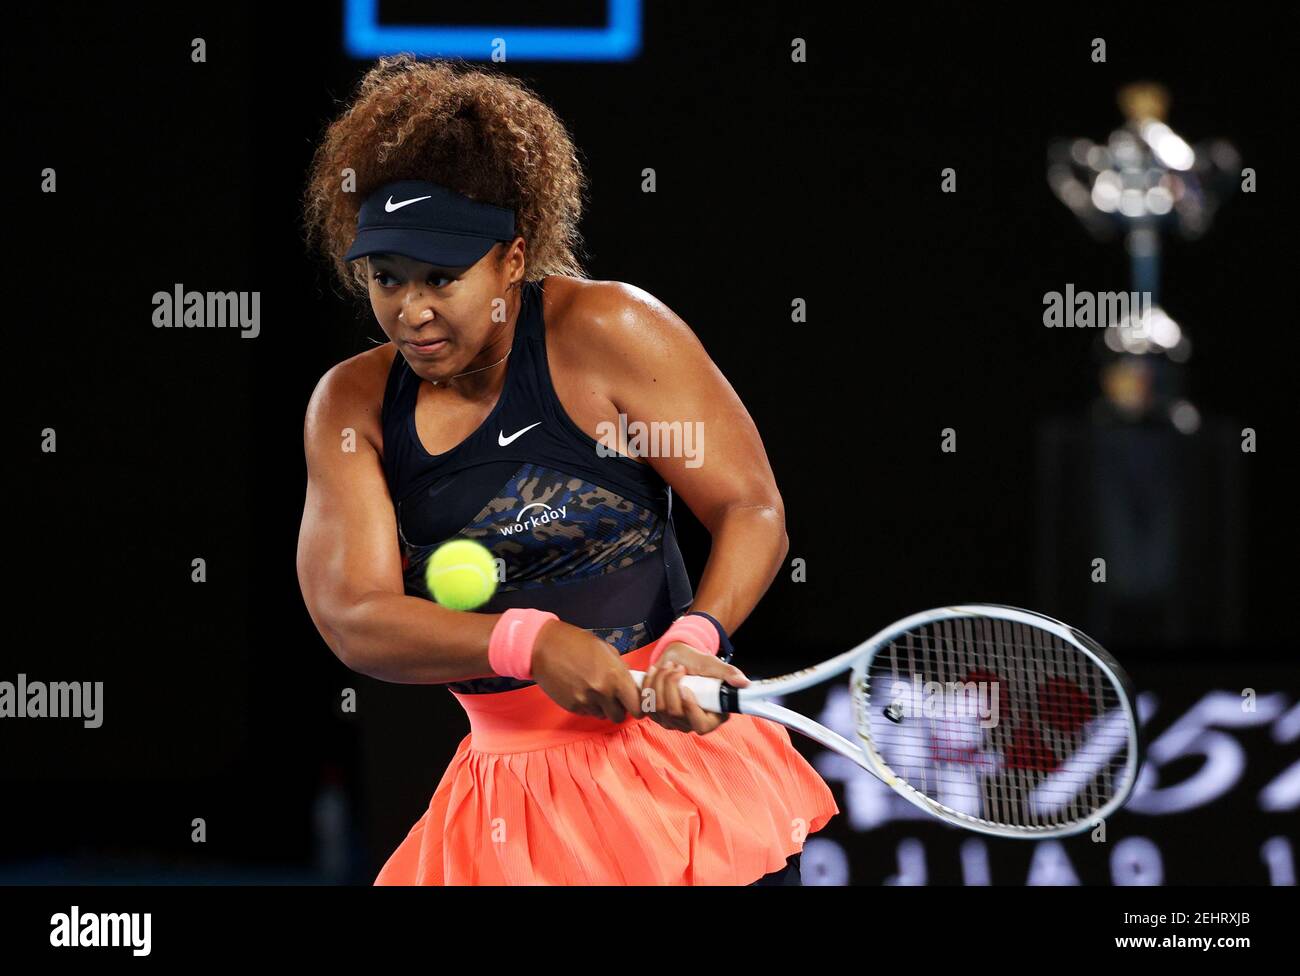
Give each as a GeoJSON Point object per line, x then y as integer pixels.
{"type": "Point", "coordinates": [997, 720]}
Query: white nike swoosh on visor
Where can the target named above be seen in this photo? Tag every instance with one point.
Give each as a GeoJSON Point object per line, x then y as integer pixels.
{"type": "Point", "coordinates": [390, 206]}
{"type": "Point", "coordinates": [503, 440]}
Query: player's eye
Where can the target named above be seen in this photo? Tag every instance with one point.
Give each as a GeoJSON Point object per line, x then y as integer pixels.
{"type": "Point", "coordinates": [386, 279]}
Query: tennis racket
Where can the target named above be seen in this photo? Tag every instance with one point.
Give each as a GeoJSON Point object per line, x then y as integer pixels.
{"type": "Point", "coordinates": [991, 718]}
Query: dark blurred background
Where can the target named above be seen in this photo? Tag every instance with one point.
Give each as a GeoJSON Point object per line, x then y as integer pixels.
{"type": "Point", "coordinates": [776, 181]}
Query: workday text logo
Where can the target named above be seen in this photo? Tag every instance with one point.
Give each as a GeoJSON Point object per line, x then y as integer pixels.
{"type": "Point", "coordinates": [533, 516]}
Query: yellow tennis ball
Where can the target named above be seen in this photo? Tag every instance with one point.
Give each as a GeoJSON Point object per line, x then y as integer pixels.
{"type": "Point", "coordinates": [461, 574]}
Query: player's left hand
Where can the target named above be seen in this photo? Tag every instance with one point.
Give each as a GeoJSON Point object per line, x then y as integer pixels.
{"type": "Point", "coordinates": [674, 707]}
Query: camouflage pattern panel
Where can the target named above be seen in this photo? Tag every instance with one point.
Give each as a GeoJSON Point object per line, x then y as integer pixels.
{"type": "Point", "coordinates": [548, 527]}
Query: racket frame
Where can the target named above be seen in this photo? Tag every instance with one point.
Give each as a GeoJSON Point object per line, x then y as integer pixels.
{"type": "Point", "coordinates": [717, 696]}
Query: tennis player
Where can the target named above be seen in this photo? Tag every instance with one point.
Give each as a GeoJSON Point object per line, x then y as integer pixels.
{"type": "Point", "coordinates": [488, 415]}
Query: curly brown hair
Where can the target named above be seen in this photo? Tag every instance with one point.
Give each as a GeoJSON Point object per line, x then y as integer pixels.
{"type": "Point", "coordinates": [485, 135]}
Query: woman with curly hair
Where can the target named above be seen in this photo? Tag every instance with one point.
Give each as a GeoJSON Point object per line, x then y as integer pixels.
{"type": "Point", "coordinates": [450, 197]}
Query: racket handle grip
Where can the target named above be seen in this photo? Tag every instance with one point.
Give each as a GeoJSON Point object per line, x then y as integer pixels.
{"type": "Point", "coordinates": [707, 691]}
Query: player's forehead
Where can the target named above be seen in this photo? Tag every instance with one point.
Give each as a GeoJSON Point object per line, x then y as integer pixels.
{"type": "Point", "coordinates": [414, 265]}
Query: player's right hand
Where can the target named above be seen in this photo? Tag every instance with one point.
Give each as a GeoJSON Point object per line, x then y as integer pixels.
{"type": "Point", "coordinates": [583, 674]}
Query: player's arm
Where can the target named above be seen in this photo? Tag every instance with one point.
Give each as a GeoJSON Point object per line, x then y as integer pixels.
{"type": "Point", "coordinates": [656, 370]}
{"type": "Point", "coordinates": [349, 565]}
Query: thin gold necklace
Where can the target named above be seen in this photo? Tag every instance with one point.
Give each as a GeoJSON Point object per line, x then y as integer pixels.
{"type": "Point", "coordinates": [468, 371]}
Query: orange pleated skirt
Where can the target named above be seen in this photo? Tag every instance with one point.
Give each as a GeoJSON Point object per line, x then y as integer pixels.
{"type": "Point", "coordinates": [536, 795]}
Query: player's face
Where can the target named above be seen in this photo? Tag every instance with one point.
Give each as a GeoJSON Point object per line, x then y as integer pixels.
{"type": "Point", "coordinates": [443, 320]}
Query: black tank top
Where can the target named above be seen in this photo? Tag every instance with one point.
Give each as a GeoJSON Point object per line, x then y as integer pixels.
{"type": "Point", "coordinates": [587, 537]}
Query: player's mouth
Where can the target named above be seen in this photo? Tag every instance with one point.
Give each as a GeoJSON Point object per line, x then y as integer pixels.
{"type": "Point", "coordinates": [430, 347]}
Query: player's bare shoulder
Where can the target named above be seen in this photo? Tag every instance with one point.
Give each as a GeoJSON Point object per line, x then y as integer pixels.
{"type": "Point", "coordinates": [606, 324]}
{"type": "Point", "coordinates": [351, 394]}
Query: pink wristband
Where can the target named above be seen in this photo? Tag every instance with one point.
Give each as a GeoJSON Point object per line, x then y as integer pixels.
{"type": "Point", "coordinates": [690, 629]}
{"type": "Point", "coordinates": [510, 648]}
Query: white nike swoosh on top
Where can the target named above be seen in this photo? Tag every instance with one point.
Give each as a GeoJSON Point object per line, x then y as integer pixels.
{"type": "Point", "coordinates": [390, 206]}
{"type": "Point", "coordinates": [503, 440]}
